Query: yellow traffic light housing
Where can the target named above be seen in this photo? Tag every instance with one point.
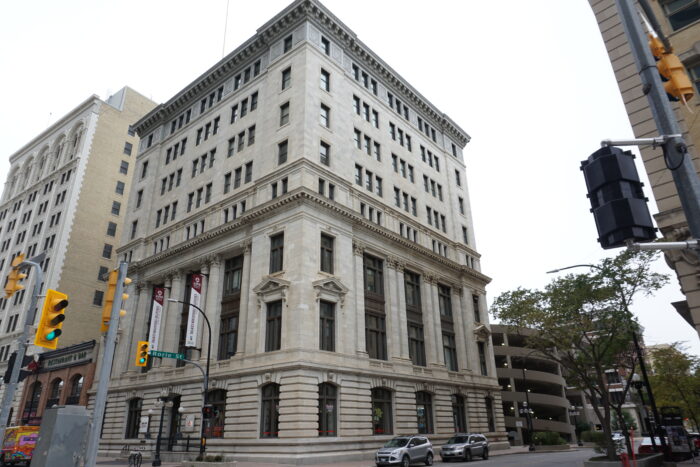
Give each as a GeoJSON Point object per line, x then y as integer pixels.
{"type": "Point", "coordinates": [52, 317]}
{"type": "Point", "coordinates": [12, 285]}
{"type": "Point", "coordinates": [109, 299]}
{"type": "Point", "coordinates": [676, 81]}
{"type": "Point", "coordinates": [142, 353]}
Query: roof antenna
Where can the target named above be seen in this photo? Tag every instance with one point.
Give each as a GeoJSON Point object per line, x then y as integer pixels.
{"type": "Point", "coordinates": [223, 46]}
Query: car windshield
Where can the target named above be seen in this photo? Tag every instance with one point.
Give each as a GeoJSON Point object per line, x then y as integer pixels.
{"type": "Point", "coordinates": [396, 443]}
{"type": "Point", "coordinates": [457, 440]}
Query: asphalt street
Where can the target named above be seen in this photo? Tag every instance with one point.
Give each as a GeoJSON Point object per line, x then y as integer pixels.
{"type": "Point", "coordinates": [544, 459]}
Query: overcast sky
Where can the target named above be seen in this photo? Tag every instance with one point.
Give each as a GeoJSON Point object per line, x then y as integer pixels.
{"type": "Point", "coordinates": [528, 80]}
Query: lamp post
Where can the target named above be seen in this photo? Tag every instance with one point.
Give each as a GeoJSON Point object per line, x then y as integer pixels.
{"type": "Point", "coordinates": [574, 412]}
{"type": "Point", "coordinates": [162, 402]}
{"type": "Point", "coordinates": [638, 384]}
{"type": "Point", "coordinates": [202, 438]}
{"type": "Point", "coordinates": [526, 407]}
{"type": "Point", "coordinates": [638, 350]}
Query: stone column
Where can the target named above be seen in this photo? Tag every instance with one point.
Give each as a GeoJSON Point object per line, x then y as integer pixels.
{"type": "Point", "coordinates": [468, 321]}
{"type": "Point", "coordinates": [403, 323]}
{"type": "Point", "coordinates": [431, 321]}
{"type": "Point", "coordinates": [393, 329]}
{"type": "Point", "coordinates": [361, 344]}
{"type": "Point", "coordinates": [460, 336]}
{"type": "Point", "coordinates": [212, 308]}
{"type": "Point", "coordinates": [173, 312]}
{"type": "Point", "coordinates": [246, 297]}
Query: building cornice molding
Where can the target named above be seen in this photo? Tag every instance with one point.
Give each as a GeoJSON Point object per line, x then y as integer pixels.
{"type": "Point", "coordinates": [304, 196]}
{"type": "Point", "coordinates": [294, 14]}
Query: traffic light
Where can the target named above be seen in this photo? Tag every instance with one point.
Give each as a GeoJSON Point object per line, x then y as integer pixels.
{"type": "Point", "coordinates": [617, 200]}
{"type": "Point", "coordinates": [208, 411]}
{"type": "Point", "coordinates": [676, 81]}
{"type": "Point", "coordinates": [109, 299]}
{"type": "Point", "coordinates": [52, 317]}
{"type": "Point", "coordinates": [14, 277]}
{"type": "Point", "coordinates": [142, 353]}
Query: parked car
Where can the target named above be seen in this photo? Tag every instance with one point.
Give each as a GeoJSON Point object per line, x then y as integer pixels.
{"type": "Point", "coordinates": [405, 450]}
{"type": "Point", "coordinates": [695, 438]}
{"type": "Point", "coordinates": [465, 446]}
{"type": "Point", "coordinates": [645, 446]}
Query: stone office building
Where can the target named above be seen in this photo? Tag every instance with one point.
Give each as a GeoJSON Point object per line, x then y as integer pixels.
{"type": "Point", "coordinates": [319, 204]}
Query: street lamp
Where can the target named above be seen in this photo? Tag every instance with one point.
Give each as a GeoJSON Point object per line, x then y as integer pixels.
{"type": "Point", "coordinates": [637, 348]}
{"type": "Point", "coordinates": [574, 412]}
{"type": "Point", "coordinates": [161, 403]}
{"type": "Point", "coordinates": [202, 438]}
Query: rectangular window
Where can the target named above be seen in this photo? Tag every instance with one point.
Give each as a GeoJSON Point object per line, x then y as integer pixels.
{"type": "Point", "coordinates": [378, 186]}
{"type": "Point", "coordinates": [287, 44]}
{"type": "Point", "coordinates": [286, 78]}
{"type": "Point", "coordinates": [460, 203]}
{"type": "Point", "coordinates": [273, 326]}
{"type": "Point", "coordinates": [251, 135]}
{"type": "Point", "coordinates": [358, 175]}
{"type": "Point", "coordinates": [282, 152]}
{"type": "Point", "coordinates": [237, 177]}
{"type": "Point", "coordinates": [276, 253]}
{"type": "Point", "coordinates": [127, 148]}
{"type": "Point", "coordinates": [139, 198]}
{"type": "Point", "coordinates": [254, 101]}
{"type": "Point", "coordinates": [475, 304]}
{"type": "Point", "coordinates": [458, 179]}
{"type": "Point", "coordinates": [227, 182]}
{"type": "Point", "coordinates": [326, 46]}
{"type": "Point", "coordinates": [134, 226]}
{"type": "Point", "coordinates": [119, 189]}
{"type": "Point", "coordinates": [325, 80]}
{"type": "Point", "coordinates": [284, 114]}
{"type": "Point", "coordinates": [482, 358]}
{"type": "Point", "coordinates": [116, 207]}
{"type": "Point", "coordinates": [325, 116]}
{"type": "Point", "coordinates": [327, 326]}
{"type": "Point", "coordinates": [248, 172]}
{"type": "Point", "coordinates": [325, 153]}
{"type": "Point", "coordinates": [231, 147]}
{"type": "Point", "coordinates": [358, 139]}
{"type": "Point", "coordinates": [111, 229]}
{"type": "Point", "coordinates": [327, 253]}
{"type": "Point", "coordinates": [107, 251]}
{"type": "Point", "coordinates": [445, 301]}
{"type": "Point", "coordinates": [234, 113]}
{"type": "Point", "coordinates": [241, 141]}
{"type": "Point", "coordinates": [244, 108]}
{"type": "Point", "coordinates": [124, 167]}
{"type": "Point", "coordinates": [98, 297]}
{"type": "Point", "coordinates": [449, 348]}
{"type": "Point", "coordinates": [356, 104]}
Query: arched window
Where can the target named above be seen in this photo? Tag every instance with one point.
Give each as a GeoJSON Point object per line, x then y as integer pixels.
{"type": "Point", "coordinates": [55, 394]}
{"type": "Point", "coordinates": [269, 417]}
{"type": "Point", "coordinates": [424, 412]}
{"type": "Point", "coordinates": [31, 405]}
{"type": "Point", "coordinates": [133, 418]}
{"type": "Point", "coordinates": [215, 428]}
{"type": "Point", "coordinates": [459, 419]}
{"type": "Point", "coordinates": [327, 410]}
{"type": "Point", "coordinates": [76, 390]}
{"type": "Point", "coordinates": [381, 412]}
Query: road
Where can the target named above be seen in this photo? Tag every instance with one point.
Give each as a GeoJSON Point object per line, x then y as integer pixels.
{"type": "Point", "coordinates": [545, 459]}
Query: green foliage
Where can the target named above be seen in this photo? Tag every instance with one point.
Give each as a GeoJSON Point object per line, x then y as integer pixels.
{"type": "Point", "coordinates": [583, 322]}
{"type": "Point", "coordinates": [630, 422]}
{"type": "Point", "coordinates": [675, 380]}
{"type": "Point", "coordinates": [598, 438]}
{"type": "Point", "coordinates": [547, 438]}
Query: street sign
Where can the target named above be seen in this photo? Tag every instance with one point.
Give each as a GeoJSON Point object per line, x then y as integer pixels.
{"type": "Point", "coordinates": [158, 353]}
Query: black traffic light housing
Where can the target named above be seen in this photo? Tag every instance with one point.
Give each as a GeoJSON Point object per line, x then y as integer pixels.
{"type": "Point", "coordinates": [617, 199]}
{"type": "Point", "coordinates": [208, 411]}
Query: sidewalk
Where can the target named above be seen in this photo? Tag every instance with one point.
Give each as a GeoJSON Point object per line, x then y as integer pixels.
{"type": "Point", "coordinates": [362, 463]}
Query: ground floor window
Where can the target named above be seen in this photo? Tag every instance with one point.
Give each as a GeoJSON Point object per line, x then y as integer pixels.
{"type": "Point", "coordinates": [215, 425]}
{"type": "Point", "coordinates": [269, 417]}
{"type": "Point", "coordinates": [133, 417]}
{"type": "Point", "coordinates": [381, 412]}
{"type": "Point", "coordinates": [459, 419]}
{"type": "Point", "coordinates": [424, 412]}
{"type": "Point", "coordinates": [489, 414]}
{"type": "Point", "coordinates": [327, 410]}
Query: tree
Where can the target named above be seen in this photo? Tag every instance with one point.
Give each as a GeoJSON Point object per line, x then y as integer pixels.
{"type": "Point", "coordinates": [675, 380]}
{"type": "Point", "coordinates": [583, 322]}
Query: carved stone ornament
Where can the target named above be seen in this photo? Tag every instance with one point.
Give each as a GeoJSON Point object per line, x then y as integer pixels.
{"type": "Point", "coordinates": [482, 333]}
{"type": "Point", "coordinates": [330, 288]}
{"type": "Point", "coordinates": [271, 289]}
{"type": "Point", "coordinates": [358, 249]}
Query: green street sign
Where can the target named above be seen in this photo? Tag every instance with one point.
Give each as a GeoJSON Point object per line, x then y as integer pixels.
{"type": "Point", "coordinates": [158, 353]}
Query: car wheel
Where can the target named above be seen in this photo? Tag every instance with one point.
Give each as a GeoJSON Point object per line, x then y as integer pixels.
{"type": "Point", "coordinates": [467, 455]}
{"type": "Point", "coordinates": [429, 459]}
{"type": "Point", "coordinates": [486, 454]}
{"type": "Point", "coordinates": [405, 461]}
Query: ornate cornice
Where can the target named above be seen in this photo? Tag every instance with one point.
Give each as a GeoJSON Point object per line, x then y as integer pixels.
{"type": "Point", "coordinates": [272, 31]}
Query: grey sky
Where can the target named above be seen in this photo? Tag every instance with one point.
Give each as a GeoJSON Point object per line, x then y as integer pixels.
{"type": "Point", "coordinates": [529, 81]}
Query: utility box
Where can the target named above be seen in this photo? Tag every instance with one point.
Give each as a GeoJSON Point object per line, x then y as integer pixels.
{"type": "Point", "coordinates": [63, 437]}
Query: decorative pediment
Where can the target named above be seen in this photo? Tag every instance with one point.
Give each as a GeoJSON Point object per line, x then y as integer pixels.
{"type": "Point", "coordinates": [330, 289]}
{"type": "Point", "coordinates": [271, 289]}
{"type": "Point", "coordinates": [482, 333]}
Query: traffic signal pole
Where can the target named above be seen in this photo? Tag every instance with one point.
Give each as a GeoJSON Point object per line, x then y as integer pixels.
{"type": "Point", "coordinates": [11, 387]}
{"type": "Point", "coordinates": [685, 176]}
{"type": "Point", "coordinates": [105, 370]}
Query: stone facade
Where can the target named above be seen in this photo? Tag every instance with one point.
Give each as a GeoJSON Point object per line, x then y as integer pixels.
{"type": "Point", "coordinates": [684, 39]}
{"type": "Point", "coordinates": [330, 224]}
{"type": "Point", "coordinates": [58, 199]}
